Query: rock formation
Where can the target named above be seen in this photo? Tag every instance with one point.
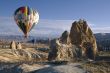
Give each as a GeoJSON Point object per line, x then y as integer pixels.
{"type": "Point", "coordinates": [80, 42]}
{"type": "Point", "coordinates": [13, 45]}
{"type": "Point", "coordinates": [18, 46]}
{"type": "Point", "coordinates": [81, 35]}
{"type": "Point", "coordinates": [65, 39]}
{"type": "Point", "coordinates": [60, 51]}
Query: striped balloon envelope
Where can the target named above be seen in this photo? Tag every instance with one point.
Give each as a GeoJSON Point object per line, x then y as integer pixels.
{"type": "Point", "coordinates": [26, 18]}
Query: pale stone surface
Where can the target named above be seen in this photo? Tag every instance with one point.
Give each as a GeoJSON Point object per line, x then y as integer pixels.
{"type": "Point", "coordinates": [19, 46]}
{"type": "Point", "coordinates": [81, 35]}
{"type": "Point", "coordinates": [13, 45]}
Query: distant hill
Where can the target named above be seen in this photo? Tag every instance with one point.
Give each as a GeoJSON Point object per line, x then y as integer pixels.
{"type": "Point", "coordinates": [18, 38]}
{"type": "Point", "coordinates": [9, 38]}
{"type": "Point", "coordinates": [102, 36]}
{"type": "Point", "coordinates": [99, 36]}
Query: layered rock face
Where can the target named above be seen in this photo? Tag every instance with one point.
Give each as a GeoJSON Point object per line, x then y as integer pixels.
{"type": "Point", "coordinates": [80, 42]}
{"type": "Point", "coordinates": [81, 35]}
{"type": "Point", "coordinates": [63, 52]}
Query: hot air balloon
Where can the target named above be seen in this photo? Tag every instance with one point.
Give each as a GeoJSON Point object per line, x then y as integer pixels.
{"type": "Point", "coordinates": [26, 18]}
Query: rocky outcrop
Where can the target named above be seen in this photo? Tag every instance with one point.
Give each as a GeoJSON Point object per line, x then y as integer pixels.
{"type": "Point", "coordinates": [22, 55]}
{"type": "Point", "coordinates": [19, 46]}
{"type": "Point", "coordinates": [81, 35]}
{"type": "Point", "coordinates": [63, 52]}
{"type": "Point", "coordinates": [80, 42]}
{"type": "Point", "coordinates": [61, 48]}
{"type": "Point", "coordinates": [13, 45]}
{"type": "Point", "coordinates": [65, 39]}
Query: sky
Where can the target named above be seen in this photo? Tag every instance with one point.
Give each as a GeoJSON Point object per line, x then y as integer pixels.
{"type": "Point", "coordinates": [57, 15]}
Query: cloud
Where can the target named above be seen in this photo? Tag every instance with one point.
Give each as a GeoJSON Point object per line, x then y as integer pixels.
{"type": "Point", "coordinates": [45, 27]}
{"type": "Point", "coordinates": [49, 28]}
{"type": "Point", "coordinates": [99, 29]}
{"type": "Point", "coordinates": [56, 24]}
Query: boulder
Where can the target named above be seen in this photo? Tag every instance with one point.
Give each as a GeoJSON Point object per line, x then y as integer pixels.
{"type": "Point", "coordinates": [81, 35]}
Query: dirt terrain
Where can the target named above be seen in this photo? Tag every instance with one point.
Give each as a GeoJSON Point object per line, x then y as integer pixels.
{"type": "Point", "coordinates": [33, 59]}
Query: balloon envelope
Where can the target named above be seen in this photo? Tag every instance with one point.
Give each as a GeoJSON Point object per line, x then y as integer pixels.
{"type": "Point", "coordinates": [26, 18]}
